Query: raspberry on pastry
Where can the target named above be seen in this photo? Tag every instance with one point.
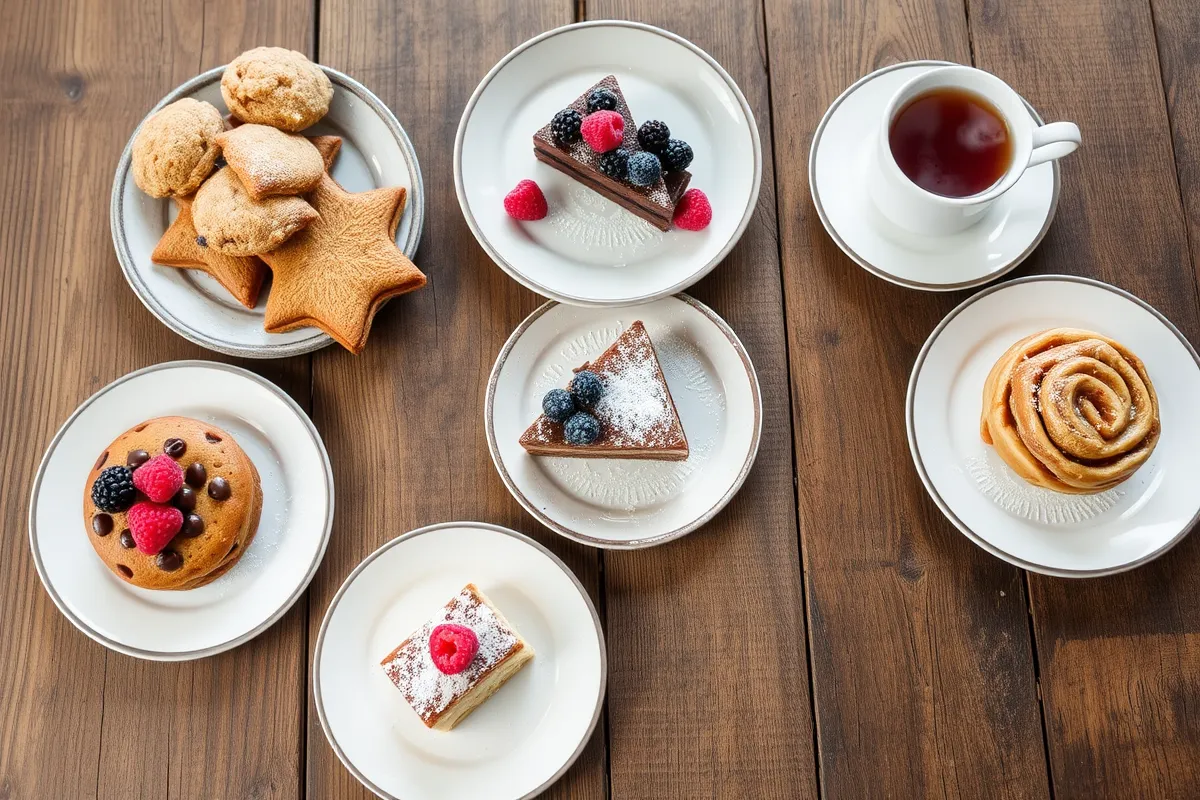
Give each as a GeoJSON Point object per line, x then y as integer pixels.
{"type": "Point", "coordinates": [175, 149]}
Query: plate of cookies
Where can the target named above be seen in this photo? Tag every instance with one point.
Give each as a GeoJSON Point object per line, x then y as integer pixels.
{"type": "Point", "coordinates": [207, 501]}
{"type": "Point", "coordinates": [269, 207]}
{"type": "Point", "coordinates": [1052, 419]}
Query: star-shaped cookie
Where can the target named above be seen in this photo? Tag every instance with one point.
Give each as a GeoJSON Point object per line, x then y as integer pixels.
{"type": "Point", "coordinates": [336, 273]}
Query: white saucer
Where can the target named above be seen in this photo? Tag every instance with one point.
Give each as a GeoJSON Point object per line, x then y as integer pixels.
{"type": "Point", "coordinates": [297, 512]}
{"type": "Point", "coordinates": [519, 741]}
{"type": "Point", "coordinates": [375, 152]}
{"type": "Point", "coordinates": [837, 175]}
{"type": "Point", "coordinates": [1031, 527]}
{"type": "Point", "coordinates": [618, 503]}
{"type": "Point", "coordinates": [589, 251]}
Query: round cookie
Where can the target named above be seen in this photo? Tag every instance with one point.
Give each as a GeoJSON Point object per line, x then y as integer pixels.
{"type": "Point", "coordinates": [229, 521]}
{"type": "Point", "coordinates": [278, 87]}
{"type": "Point", "coordinates": [233, 223]}
{"type": "Point", "coordinates": [174, 151]}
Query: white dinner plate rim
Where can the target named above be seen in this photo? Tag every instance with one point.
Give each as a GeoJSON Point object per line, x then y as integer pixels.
{"type": "Point", "coordinates": [316, 664]}
{"type": "Point", "coordinates": [648, 541]}
{"type": "Point", "coordinates": [277, 614]}
{"type": "Point", "coordinates": [910, 423]}
{"type": "Point", "coordinates": [567, 299]}
{"type": "Point", "coordinates": [319, 338]}
{"type": "Point", "coordinates": [884, 274]}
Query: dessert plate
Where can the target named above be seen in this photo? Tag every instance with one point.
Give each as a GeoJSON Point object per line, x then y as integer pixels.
{"type": "Point", "coordinates": [837, 165]}
{"type": "Point", "coordinates": [622, 503]}
{"type": "Point", "coordinates": [375, 152]}
{"type": "Point", "coordinates": [589, 251]}
{"type": "Point", "coordinates": [297, 512]}
{"type": "Point", "coordinates": [1031, 527]}
{"type": "Point", "coordinates": [520, 740]}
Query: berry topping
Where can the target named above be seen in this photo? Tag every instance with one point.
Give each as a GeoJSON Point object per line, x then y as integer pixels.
{"type": "Point", "coordinates": [159, 478]}
{"type": "Point", "coordinates": [526, 202]}
{"type": "Point", "coordinates": [153, 525]}
{"type": "Point", "coordinates": [653, 136]}
{"type": "Point", "coordinates": [644, 169]}
{"type": "Point", "coordinates": [582, 428]}
{"type": "Point", "coordinates": [693, 212]}
{"type": "Point", "coordinates": [558, 405]}
{"type": "Point", "coordinates": [677, 155]}
{"type": "Point", "coordinates": [586, 388]}
{"type": "Point", "coordinates": [615, 163]}
{"type": "Point", "coordinates": [175, 448]}
{"type": "Point", "coordinates": [452, 647]}
{"type": "Point", "coordinates": [565, 126]}
{"type": "Point", "coordinates": [601, 100]}
{"type": "Point", "coordinates": [603, 131]}
{"type": "Point", "coordinates": [136, 458]}
{"type": "Point", "coordinates": [113, 489]}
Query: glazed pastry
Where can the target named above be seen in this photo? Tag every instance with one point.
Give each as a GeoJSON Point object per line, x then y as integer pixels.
{"type": "Point", "coordinates": [1070, 410]}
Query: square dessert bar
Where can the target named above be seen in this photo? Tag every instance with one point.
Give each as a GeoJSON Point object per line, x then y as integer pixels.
{"type": "Point", "coordinates": [440, 700]}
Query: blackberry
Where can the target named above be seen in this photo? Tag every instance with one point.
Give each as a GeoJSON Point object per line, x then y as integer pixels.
{"type": "Point", "coordinates": [644, 169]}
{"type": "Point", "coordinates": [558, 405]}
{"type": "Point", "coordinates": [586, 388]}
{"type": "Point", "coordinates": [653, 136]}
{"type": "Point", "coordinates": [677, 155]}
{"type": "Point", "coordinates": [565, 126]}
{"type": "Point", "coordinates": [581, 428]}
{"type": "Point", "coordinates": [615, 163]}
{"type": "Point", "coordinates": [113, 490]}
{"type": "Point", "coordinates": [601, 100]}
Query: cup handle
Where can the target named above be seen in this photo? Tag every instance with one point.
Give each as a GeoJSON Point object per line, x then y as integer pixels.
{"type": "Point", "coordinates": [1052, 141]}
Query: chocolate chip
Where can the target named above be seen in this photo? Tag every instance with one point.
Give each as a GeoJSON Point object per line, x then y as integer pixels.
{"type": "Point", "coordinates": [212, 437]}
{"type": "Point", "coordinates": [218, 489]}
{"type": "Point", "coordinates": [100, 461]}
{"type": "Point", "coordinates": [200, 240]}
{"type": "Point", "coordinates": [193, 526]}
{"type": "Point", "coordinates": [127, 540]}
{"type": "Point", "coordinates": [185, 499]}
{"type": "Point", "coordinates": [124, 570]}
{"type": "Point", "coordinates": [195, 475]}
{"type": "Point", "coordinates": [102, 524]}
{"type": "Point", "coordinates": [220, 162]}
{"type": "Point", "coordinates": [136, 458]}
{"type": "Point", "coordinates": [169, 561]}
{"type": "Point", "coordinates": [175, 448]}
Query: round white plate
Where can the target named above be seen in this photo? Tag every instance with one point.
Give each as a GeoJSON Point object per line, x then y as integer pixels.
{"type": "Point", "coordinates": [622, 503]}
{"type": "Point", "coordinates": [297, 512]}
{"type": "Point", "coordinates": [1031, 527]}
{"type": "Point", "coordinates": [375, 152]}
{"type": "Point", "coordinates": [521, 739]}
{"type": "Point", "coordinates": [837, 175]}
{"type": "Point", "coordinates": [589, 251]}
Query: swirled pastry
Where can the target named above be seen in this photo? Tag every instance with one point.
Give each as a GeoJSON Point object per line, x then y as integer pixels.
{"type": "Point", "coordinates": [1070, 410]}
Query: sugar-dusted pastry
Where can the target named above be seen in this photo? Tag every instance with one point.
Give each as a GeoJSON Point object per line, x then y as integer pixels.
{"type": "Point", "coordinates": [277, 87]}
{"type": "Point", "coordinates": [270, 162]}
{"type": "Point", "coordinates": [175, 149]}
{"type": "Point", "coordinates": [457, 660]}
{"type": "Point", "coordinates": [230, 221]}
{"type": "Point", "coordinates": [1070, 410]}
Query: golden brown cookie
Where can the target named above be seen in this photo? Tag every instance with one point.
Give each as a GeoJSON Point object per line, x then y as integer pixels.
{"type": "Point", "coordinates": [270, 162]}
{"type": "Point", "coordinates": [221, 501]}
{"type": "Point", "coordinates": [174, 151]}
{"type": "Point", "coordinates": [277, 87]}
{"type": "Point", "coordinates": [181, 246]}
{"type": "Point", "coordinates": [233, 223]}
{"type": "Point", "coordinates": [336, 273]}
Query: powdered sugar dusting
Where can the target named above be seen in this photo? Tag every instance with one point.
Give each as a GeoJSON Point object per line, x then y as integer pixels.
{"type": "Point", "coordinates": [635, 407]}
{"type": "Point", "coordinates": [1034, 503]}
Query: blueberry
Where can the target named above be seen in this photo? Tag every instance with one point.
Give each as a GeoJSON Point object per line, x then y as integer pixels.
{"type": "Point", "coordinates": [582, 428]}
{"type": "Point", "coordinates": [558, 405]}
{"type": "Point", "coordinates": [586, 388]}
{"type": "Point", "coordinates": [644, 169]}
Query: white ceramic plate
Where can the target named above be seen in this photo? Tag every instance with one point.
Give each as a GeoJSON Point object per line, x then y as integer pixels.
{"type": "Point", "coordinates": [1031, 527]}
{"type": "Point", "coordinates": [837, 175]}
{"type": "Point", "coordinates": [297, 512]}
{"type": "Point", "coordinates": [522, 738]}
{"type": "Point", "coordinates": [620, 503]}
{"type": "Point", "coordinates": [589, 251]}
{"type": "Point", "coordinates": [375, 152]}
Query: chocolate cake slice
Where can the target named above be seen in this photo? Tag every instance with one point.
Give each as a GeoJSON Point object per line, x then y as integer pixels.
{"type": "Point", "coordinates": [654, 203]}
{"type": "Point", "coordinates": [636, 413]}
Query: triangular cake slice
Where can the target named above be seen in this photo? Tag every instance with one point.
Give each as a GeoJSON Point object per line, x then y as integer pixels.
{"type": "Point", "coordinates": [636, 413]}
{"type": "Point", "coordinates": [654, 203]}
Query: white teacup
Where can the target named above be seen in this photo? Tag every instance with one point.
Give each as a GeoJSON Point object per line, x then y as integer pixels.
{"type": "Point", "coordinates": [909, 206]}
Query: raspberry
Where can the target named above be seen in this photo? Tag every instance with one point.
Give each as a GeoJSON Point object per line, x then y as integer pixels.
{"type": "Point", "coordinates": [526, 202]}
{"type": "Point", "coordinates": [159, 478]}
{"type": "Point", "coordinates": [153, 525]}
{"type": "Point", "coordinates": [603, 131]}
{"type": "Point", "coordinates": [452, 647]}
{"type": "Point", "coordinates": [692, 213]}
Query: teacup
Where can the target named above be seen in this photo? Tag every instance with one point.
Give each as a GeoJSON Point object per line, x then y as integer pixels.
{"type": "Point", "coordinates": [912, 207]}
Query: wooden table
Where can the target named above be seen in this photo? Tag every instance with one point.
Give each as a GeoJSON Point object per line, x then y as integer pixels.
{"type": "Point", "coordinates": [829, 634]}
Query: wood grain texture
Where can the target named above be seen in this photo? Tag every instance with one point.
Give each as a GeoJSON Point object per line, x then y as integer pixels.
{"type": "Point", "coordinates": [922, 664]}
{"type": "Point", "coordinates": [708, 687]}
{"type": "Point", "coordinates": [404, 420]}
{"type": "Point", "coordinates": [1119, 657]}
